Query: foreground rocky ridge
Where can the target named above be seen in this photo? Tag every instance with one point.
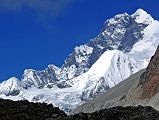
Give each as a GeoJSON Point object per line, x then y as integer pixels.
{"type": "Point", "coordinates": [22, 110]}
{"type": "Point", "coordinates": [120, 113]}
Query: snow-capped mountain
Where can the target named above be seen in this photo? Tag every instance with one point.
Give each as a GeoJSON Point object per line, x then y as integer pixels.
{"type": "Point", "coordinates": [41, 78]}
{"type": "Point", "coordinates": [105, 73]}
{"type": "Point", "coordinates": [124, 46]}
{"type": "Point", "coordinates": [10, 87]}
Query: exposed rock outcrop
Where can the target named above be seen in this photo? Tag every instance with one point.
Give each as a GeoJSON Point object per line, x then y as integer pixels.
{"type": "Point", "coordinates": [150, 78]}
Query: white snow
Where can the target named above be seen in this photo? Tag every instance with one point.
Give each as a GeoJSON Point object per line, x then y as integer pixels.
{"type": "Point", "coordinates": [145, 48]}
{"type": "Point", "coordinates": [113, 65]}
{"type": "Point", "coordinates": [84, 50]}
{"type": "Point", "coordinates": [122, 66]}
{"type": "Point", "coordinates": [113, 21]}
{"type": "Point", "coordinates": [102, 64]}
{"type": "Point", "coordinates": [62, 98]}
{"type": "Point", "coordinates": [72, 70]}
{"type": "Point", "coordinates": [142, 16]}
{"type": "Point", "coordinates": [98, 70]}
{"type": "Point", "coordinates": [10, 85]}
{"type": "Point", "coordinates": [55, 68]}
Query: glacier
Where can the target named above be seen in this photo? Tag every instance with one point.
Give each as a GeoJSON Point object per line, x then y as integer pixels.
{"type": "Point", "coordinates": [124, 46]}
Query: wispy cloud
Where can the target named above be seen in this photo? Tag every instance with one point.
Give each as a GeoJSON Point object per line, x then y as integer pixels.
{"type": "Point", "coordinates": [52, 7]}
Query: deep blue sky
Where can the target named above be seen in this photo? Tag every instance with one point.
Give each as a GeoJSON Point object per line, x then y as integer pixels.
{"type": "Point", "coordinates": [35, 34]}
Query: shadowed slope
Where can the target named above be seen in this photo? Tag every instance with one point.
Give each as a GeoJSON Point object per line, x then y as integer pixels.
{"type": "Point", "coordinates": [24, 110]}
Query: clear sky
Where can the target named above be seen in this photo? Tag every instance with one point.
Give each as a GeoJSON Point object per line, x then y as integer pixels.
{"type": "Point", "coordinates": [35, 33]}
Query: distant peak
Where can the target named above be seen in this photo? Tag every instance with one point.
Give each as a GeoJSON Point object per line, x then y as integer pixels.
{"type": "Point", "coordinates": [11, 81]}
{"type": "Point", "coordinates": [118, 19]}
{"type": "Point", "coordinates": [142, 16]}
{"type": "Point", "coordinates": [53, 67]}
{"type": "Point", "coordinates": [121, 15]}
{"type": "Point", "coordinates": [28, 71]}
{"type": "Point", "coordinates": [141, 11]}
{"type": "Point", "coordinates": [13, 78]}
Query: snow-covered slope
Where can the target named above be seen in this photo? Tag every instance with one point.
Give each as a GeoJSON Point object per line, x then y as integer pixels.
{"type": "Point", "coordinates": [97, 70]}
{"type": "Point", "coordinates": [110, 69]}
{"type": "Point", "coordinates": [10, 87]}
{"type": "Point", "coordinates": [123, 47]}
{"type": "Point", "coordinates": [145, 48]}
{"type": "Point", "coordinates": [141, 16]}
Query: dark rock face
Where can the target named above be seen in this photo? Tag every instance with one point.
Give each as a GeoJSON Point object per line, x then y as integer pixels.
{"type": "Point", "coordinates": [150, 78]}
{"type": "Point", "coordinates": [111, 38]}
{"type": "Point", "coordinates": [120, 113]}
{"type": "Point", "coordinates": [24, 110]}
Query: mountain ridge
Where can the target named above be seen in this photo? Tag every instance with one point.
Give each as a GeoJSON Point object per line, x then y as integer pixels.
{"type": "Point", "coordinates": [122, 35]}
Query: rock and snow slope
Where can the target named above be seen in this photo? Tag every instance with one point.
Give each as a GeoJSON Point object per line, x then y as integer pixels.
{"type": "Point", "coordinates": [123, 47]}
{"type": "Point", "coordinates": [99, 78]}
{"type": "Point", "coordinates": [111, 98]}
{"type": "Point", "coordinates": [139, 89]}
{"type": "Point", "coordinates": [109, 70]}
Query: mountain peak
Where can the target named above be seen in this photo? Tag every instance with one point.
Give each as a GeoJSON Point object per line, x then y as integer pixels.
{"type": "Point", "coordinates": [141, 11]}
{"type": "Point", "coordinates": [142, 16]}
{"type": "Point", "coordinates": [13, 79]}
{"type": "Point", "coordinates": [10, 87]}
{"type": "Point", "coordinates": [53, 67]}
{"type": "Point", "coordinates": [118, 19]}
{"type": "Point", "coordinates": [121, 15]}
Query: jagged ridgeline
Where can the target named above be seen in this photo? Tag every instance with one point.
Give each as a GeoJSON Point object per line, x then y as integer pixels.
{"type": "Point", "coordinates": [123, 47]}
